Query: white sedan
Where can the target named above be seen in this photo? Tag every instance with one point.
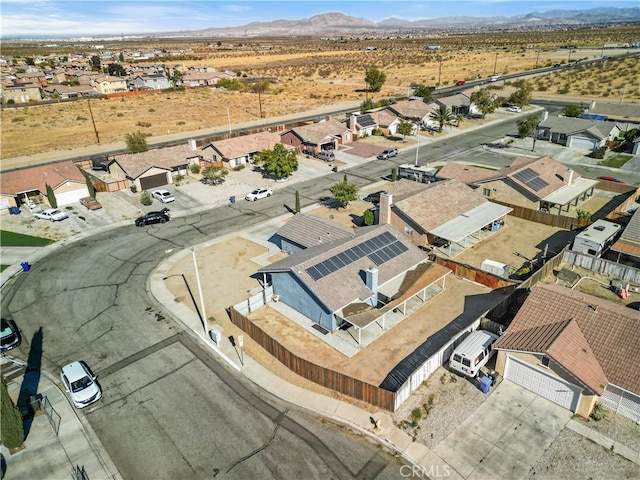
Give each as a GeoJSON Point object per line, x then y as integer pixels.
{"type": "Point", "coordinates": [258, 193]}
{"type": "Point", "coordinates": [514, 109]}
{"type": "Point", "coordinates": [164, 196]}
{"type": "Point", "coordinates": [81, 384]}
{"type": "Point", "coordinates": [52, 214]}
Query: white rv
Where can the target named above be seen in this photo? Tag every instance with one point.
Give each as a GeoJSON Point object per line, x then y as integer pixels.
{"type": "Point", "coordinates": [596, 238]}
{"type": "Point", "coordinates": [473, 353]}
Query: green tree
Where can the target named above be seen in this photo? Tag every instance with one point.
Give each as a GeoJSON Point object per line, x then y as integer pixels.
{"type": "Point", "coordinates": [368, 218]}
{"type": "Point", "coordinates": [176, 79]}
{"type": "Point", "coordinates": [116, 70]}
{"type": "Point", "coordinates": [424, 92]}
{"type": "Point", "coordinates": [528, 127]}
{"type": "Point", "coordinates": [215, 174]}
{"type": "Point", "coordinates": [90, 187]}
{"type": "Point", "coordinates": [230, 84]}
{"type": "Point", "coordinates": [344, 192]}
{"type": "Point", "coordinates": [375, 79]}
{"type": "Point", "coordinates": [367, 105]}
{"type": "Point", "coordinates": [522, 95]}
{"type": "Point", "coordinates": [121, 57]}
{"type": "Point", "coordinates": [12, 432]}
{"type": "Point", "coordinates": [30, 61]}
{"type": "Point", "coordinates": [394, 174]}
{"type": "Point", "coordinates": [459, 119]}
{"type": "Point", "coordinates": [51, 197]}
{"type": "Point", "coordinates": [297, 201]}
{"type": "Point", "coordinates": [136, 142]}
{"type": "Point", "coordinates": [442, 114]}
{"type": "Point", "coordinates": [145, 198]}
{"type": "Point", "coordinates": [279, 162]}
{"type": "Point", "coordinates": [95, 63]}
{"type": "Point", "coordinates": [483, 100]}
{"type": "Point", "coordinates": [404, 128]}
{"type": "Point", "coordinates": [572, 111]}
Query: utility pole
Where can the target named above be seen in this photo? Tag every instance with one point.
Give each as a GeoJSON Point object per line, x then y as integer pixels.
{"type": "Point", "coordinates": [260, 100]}
{"type": "Point", "coordinates": [439, 70]}
{"type": "Point", "coordinates": [93, 122]}
{"type": "Point", "coordinates": [537, 58]}
{"type": "Point", "coordinates": [495, 64]}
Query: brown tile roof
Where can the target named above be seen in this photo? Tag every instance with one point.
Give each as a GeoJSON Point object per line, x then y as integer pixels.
{"type": "Point", "coordinates": [548, 169]}
{"type": "Point", "coordinates": [135, 164]}
{"type": "Point", "coordinates": [384, 117]}
{"type": "Point", "coordinates": [318, 132]}
{"type": "Point", "coordinates": [439, 203]}
{"type": "Point", "coordinates": [467, 173]}
{"type": "Point", "coordinates": [345, 285]}
{"type": "Point", "coordinates": [310, 230]}
{"type": "Point", "coordinates": [243, 145]}
{"type": "Point", "coordinates": [544, 324]}
{"type": "Point", "coordinates": [37, 178]}
{"type": "Point", "coordinates": [411, 109]}
{"type": "Point", "coordinates": [405, 188]}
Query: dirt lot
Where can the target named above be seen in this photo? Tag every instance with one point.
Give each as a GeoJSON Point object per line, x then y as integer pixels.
{"type": "Point", "coordinates": [315, 74]}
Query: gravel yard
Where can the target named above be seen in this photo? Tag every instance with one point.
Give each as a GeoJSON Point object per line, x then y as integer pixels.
{"type": "Point", "coordinates": [617, 428]}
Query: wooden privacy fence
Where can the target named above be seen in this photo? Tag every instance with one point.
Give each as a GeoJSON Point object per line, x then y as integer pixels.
{"type": "Point", "coordinates": [625, 273]}
{"type": "Point", "coordinates": [538, 216]}
{"type": "Point", "coordinates": [320, 375]}
{"type": "Point", "coordinates": [471, 273]}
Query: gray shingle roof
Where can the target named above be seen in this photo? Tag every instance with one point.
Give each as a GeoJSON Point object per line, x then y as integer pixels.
{"type": "Point", "coordinates": [317, 132]}
{"type": "Point", "coordinates": [310, 230]}
{"type": "Point", "coordinates": [572, 126]}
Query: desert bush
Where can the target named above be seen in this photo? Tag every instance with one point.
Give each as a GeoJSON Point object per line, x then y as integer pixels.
{"type": "Point", "coordinates": [598, 412]}
{"type": "Point", "coordinates": [181, 122]}
{"type": "Point", "coordinates": [145, 198]}
{"type": "Point", "coordinates": [151, 110]}
{"type": "Point", "coordinates": [195, 168]}
{"type": "Point", "coordinates": [598, 153]}
{"type": "Point", "coordinates": [120, 114]}
{"type": "Point", "coordinates": [143, 124]}
{"type": "Point", "coordinates": [80, 118]}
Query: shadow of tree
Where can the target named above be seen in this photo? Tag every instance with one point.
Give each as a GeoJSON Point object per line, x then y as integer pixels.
{"type": "Point", "coordinates": [30, 381]}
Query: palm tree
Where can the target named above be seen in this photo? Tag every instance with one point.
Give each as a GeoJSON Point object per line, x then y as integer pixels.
{"type": "Point", "coordinates": [459, 119]}
{"type": "Point", "coordinates": [442, 114]}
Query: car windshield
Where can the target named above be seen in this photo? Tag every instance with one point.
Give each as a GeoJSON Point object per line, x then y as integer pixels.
{"type": "Point", "coordinates": [81, 384]}
{"type": "Point", "coordinates": [6, 331]}
{"type": "Point", "coordinates": [54, 212]}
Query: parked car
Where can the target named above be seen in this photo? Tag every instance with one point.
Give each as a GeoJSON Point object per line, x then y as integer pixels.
{"type": "Point", "coordinates": [609, 179]}
{"type": "Point", "coordinates": [165, 196]}
{"type": "Point", "coordinates": [258, 193]}
{"type": "Point", "coordinates": [388, 153]}
{"type": "Point", "coordinates": [459, 83]}
{"type": "Point", "coordinates": [326, 155]}
{"type": "Point", "coordinates": [150, 218]}
{"type": "Point", "coordinates": [494, 78]}
{"type": "Point", "coordinates": [556, 65]}
{"type": "Point", "coordinates": [52, 214]}
{"type": "Point", "coordinates": [473, 353]}
{"type": "Point", "coordinates": [514, 108]}
{"type": "Point", "coordinates": [374, 197]}
{"type": "Point", "coordinates": [91, 203]}
{"type": "Point", "coordinates": [9, 335]}
{"type": "Point", "coordinates": [81, 384]}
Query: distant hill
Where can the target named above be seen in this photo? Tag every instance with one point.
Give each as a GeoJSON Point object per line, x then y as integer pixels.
{"type": "Point", "coordinates": [339, 24]}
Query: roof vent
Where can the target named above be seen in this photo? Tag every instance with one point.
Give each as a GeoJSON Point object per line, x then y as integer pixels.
{"type": "Point", "coordinates": [594, 308]}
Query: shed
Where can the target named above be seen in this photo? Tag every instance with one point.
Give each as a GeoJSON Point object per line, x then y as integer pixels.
{"type": "Point", "coordinates": [497, 268]}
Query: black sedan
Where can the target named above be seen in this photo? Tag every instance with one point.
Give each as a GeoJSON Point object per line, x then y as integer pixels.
{"type": "Point", "coordinates": [9, 336]}
{"type": "Point", "coordinates": [153, 217]}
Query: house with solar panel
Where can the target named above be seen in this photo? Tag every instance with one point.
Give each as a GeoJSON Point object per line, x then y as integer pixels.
{"type": "Point", "coordinates": [362, 125]}
{"type": "Point", "coordinates": [539, 184]}
{"type": "Point", "coordinates": [327, 134]}
{"type": "Point", "coordinates": [448, 215]}
{"type": "Point", "coordinates": [367, 280]}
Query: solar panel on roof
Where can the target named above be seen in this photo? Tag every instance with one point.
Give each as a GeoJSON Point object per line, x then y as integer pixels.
{"type": "Point", "coordinates": [314, 273]}
{"type": "Point", "coordinates": [378, 242]}
{"type": "Point", "coordinates": [368, 247]}
{"type": "Point", "coordinates": [366, 121]}
{"type": "Point", "coordinates": [537, 184]}
{"type": "Point", "coordinates": [351, 255]}
{"type": "Point", "coordinates": [376, 259]}
{"type": "Point", "coordinates": [388, 237]}
{"type": "Point", "coordinates": [525, 175]}
{"type": "Point", "coordinates": [385, 254]}
{"type": "Point", "coordinates": [342, 256]}
{"type": "Point", "coordinates": [323, 269]}
{"type": "Point", "coordinates": [358, 251]}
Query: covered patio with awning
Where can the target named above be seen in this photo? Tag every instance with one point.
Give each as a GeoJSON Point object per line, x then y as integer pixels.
{"type": "Point", "coordinates": [564, 198]}
{"type": "Point", "coordinates": [470, 228]}
{"type": "Point", "coordinates": [400, 298]}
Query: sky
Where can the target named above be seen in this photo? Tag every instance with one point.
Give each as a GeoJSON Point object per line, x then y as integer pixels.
{"type": "Point", "coordinates": [37, 18]}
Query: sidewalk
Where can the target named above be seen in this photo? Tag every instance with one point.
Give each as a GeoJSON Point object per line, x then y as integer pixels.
{"type": "Point", "coordinates": [46, 455]}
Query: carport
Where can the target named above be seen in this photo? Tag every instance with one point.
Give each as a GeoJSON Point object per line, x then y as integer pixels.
{"type": "Point", "coordinates": [470, 228]}
{"type": "Point", "coordinates": [570, 195]}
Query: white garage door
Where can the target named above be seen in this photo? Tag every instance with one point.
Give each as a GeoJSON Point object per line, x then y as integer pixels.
{"type": "Point", "coordinates": [72, 196]}
{"type": "Point", "coordinates": [552, 388]}
{"type": "Point", "coordinates": [582, 143]}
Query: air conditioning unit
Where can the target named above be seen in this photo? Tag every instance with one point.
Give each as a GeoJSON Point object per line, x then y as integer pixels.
{"type": "Point", "coordinates": [275, 297]}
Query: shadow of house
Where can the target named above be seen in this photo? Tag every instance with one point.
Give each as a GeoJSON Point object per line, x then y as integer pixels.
{"type": "Point", "coordinates": [30, 382]}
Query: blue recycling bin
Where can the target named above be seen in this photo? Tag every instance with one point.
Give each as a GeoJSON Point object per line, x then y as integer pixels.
{"type": "Point", "coordinates": [232, 199]}
{"type": "Point", "coordinates": [485, 384]}
{"type": "Point", "coordinates": [25, 266]}
{"type": "Point", "coordinates": [14, 211]}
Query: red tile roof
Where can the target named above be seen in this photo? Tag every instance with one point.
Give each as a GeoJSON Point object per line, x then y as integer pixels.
{"type": "Point", "coordinates": [37, 178]}
{"type": "Point", "coordinates": [592, 338]}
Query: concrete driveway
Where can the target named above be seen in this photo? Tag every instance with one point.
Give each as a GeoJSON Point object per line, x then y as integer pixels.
{"type": "Point", "coordinates": [505, 436]}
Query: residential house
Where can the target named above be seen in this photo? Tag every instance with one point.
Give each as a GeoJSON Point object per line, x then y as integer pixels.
{"type": "Point", "coordinates": [361, 125]}
{"type": "Point", "coordinates": [628, 245]}
{"type": "Point", "coordinates": [306, 231]}
{"type": "Point", "coordinates": [574, 349]}
{"type": "Point", "coordinates": [65, 92]}
{"type": "Point", "coordinates": [83, 77]}
{"type": "Point", "coordinates": [200, 79]}
{"type": "Point", "coordinates": [577, 133]}
{"type": "Point", "coordinates": [458, 103]}
{"type": "Point", "coordinates": [29, 185]}
{"type": "Point", "coordinates": [37, 77]}
{"type": "Point", "coordinates": [327, 134]}
{"type": "Point", "coordinates": [542, 183]}
{"type": "Point", "coordinates": [386, 120]}
{"type": "Point", "coordinates": [448, 215]}
{"type": "Point", "coordinates": [151, 81]}
{"type": "Point", "coordinates": [110, 84]}
{"type": "Point", "coordinates": [239, 150]}
{"type": "Point", "coordinates": [354, 281]}
{"type": "Point", "coordinates": [153, 168]}
{"type": "Point", "coordinates": [415, 111]}
{"type": "Point", "coordinates": [21, 93]}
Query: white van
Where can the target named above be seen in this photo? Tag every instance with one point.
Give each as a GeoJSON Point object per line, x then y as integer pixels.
{"type": "Point", "coordinates": [474, 352]}
{"type": "Point", "coordinates": [326, 155]}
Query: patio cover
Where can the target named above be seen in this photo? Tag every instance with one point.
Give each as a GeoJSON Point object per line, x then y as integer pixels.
{"type": "Point", "coordinates": [457, 229]}
{"type": "Point", "coordinates": [567, 193]}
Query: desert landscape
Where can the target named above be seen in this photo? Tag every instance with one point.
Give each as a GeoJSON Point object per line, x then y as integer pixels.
{"type": "Point", "coordinates": [307, 73]}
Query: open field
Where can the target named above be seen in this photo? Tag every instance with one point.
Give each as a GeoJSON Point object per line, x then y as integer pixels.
{"type": "Point", "coordinates": [312, 72]}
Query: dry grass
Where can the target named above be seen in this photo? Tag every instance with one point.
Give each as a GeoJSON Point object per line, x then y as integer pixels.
{"type": "Point", "coordinates": [314, 73]}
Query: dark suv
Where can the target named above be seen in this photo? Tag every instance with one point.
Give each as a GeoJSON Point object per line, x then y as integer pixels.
{"type": "Point", "coordinates": [153, 217]}
{"type": "Point", "coordinates": [388, 153]}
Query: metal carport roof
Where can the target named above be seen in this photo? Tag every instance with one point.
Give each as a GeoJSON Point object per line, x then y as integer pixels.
{"type": "Point", "coordinates": [566, 194]}
{"type": "Point", "coordinates": [462, 226]}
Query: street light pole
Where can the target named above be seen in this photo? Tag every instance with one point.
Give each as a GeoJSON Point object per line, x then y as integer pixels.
{"type": "Point", "coordinates": [195, 266]}
{"type": "Point", "coordinates": [418, 147]}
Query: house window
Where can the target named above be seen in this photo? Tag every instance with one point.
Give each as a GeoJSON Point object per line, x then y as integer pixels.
{"type": "Point", "coordinates": [408, 230]}
{"type": "Point", "coordinates": [545, 361]}
{"type": "Point", "coordinates": [486, 192]}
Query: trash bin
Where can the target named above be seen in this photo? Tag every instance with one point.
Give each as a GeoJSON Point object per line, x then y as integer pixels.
{"type": "Point", "coordinates": [485, 384]}
{"type": "Point", "coordinates": [232, 199]}
{"type": "Point", "coordinates": [14, 210]}
{"type": "Point", "coordinates": [25, 266]}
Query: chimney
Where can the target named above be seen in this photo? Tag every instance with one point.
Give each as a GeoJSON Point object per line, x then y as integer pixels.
{"type": "Point", "coordinates": [371, 280]}
{"type": "Point", "coordinates": [192, 144]}
{"type": "Point", "coordinates": [352, 124]}
{"type": "Point", "coordinates": [384, 216]}
{"type": "Point", "coordinates": [570, 177]}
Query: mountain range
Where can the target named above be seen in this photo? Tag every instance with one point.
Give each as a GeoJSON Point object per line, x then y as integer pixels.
{"type": "Point", "coordinates": [334, 23]}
